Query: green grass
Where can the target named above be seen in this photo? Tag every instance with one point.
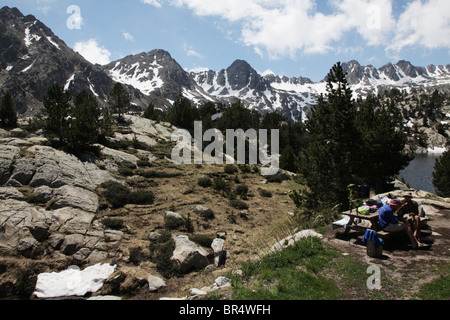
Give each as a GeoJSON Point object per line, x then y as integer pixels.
{"type": "Point", "coordinates": [307, 270]}
{"type": "Point", "coordinates": [290, 274]}
{"type": "Point", "coordinates": [438, 289]}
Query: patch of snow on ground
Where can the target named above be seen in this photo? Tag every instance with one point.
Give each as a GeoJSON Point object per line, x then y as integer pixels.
{"type": "Point", "coordinates": [72, 282]}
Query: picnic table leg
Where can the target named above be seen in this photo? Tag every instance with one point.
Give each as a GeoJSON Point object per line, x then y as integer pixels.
{"type": "Point", "coordinates": [349, 225]}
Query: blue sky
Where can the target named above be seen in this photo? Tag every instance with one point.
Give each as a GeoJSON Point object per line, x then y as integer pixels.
{"type": "Point", "coordinates": [289, 37]}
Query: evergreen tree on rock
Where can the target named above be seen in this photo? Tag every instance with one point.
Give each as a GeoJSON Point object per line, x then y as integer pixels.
{"type": "Point", "coordinates": [56, 111]}
{"type": "Point", "coordinates": [332, 140]}
{"type": "Point", "coordinates": [441, 176]}
{"type": "Point", "coordinates": [8, 113]}
{"type": "Point", "coordinates": [119, 100]}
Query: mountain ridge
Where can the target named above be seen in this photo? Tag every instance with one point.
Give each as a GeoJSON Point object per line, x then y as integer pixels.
{"type": "Point", "coordinates": [32, 58]}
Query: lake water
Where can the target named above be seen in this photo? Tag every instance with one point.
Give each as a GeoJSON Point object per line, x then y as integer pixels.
{"type": "Point", "coordinates": [419, 174]}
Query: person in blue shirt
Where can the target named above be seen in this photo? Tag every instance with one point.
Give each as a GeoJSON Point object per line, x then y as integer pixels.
{"type": "Point", "coordinates": [390, 223]}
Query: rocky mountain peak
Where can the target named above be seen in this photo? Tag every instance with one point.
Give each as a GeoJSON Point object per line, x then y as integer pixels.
{"type": "Point", "coordinates": [241, 75]}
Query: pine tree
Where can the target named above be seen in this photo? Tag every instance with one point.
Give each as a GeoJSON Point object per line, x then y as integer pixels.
{"type": "Point", "coordinates": [332, 140]}
{"type": "Point", "coordinates": [381, 145]}
{"type": "Point", "coordinates": [151, 113]}
{"type": "Point", "coordinates": [441, 175]}
{"type": "Point", "coordinates": [288, 159]}
{"type": "Point", "coordinates": [56, 110]}
{"type": "Point", "coordinates": [119, 100]}
{"type": "Point", "coordinates": [237, 116]}
{"type": "Point", "coordinates": [84, 123]}
{"type": "Point", "coordinates": [182, 114]}
{"type": "Point", "coordinates": [8, 113]}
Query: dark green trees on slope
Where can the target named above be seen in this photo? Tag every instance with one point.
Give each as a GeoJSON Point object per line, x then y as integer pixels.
{"type": "Point", "coordinates": [349, 142]}
{"type": "Point", "coordinates": [8, 113]}
{"type": "Point", "coordinates": [441, 176]}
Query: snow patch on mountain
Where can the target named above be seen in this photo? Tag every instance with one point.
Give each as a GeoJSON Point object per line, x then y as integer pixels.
{"type": "Point", "coordinates": [29, 37]}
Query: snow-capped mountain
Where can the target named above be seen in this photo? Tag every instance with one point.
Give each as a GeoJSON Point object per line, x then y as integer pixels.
{"type": "Point", "coordinates": [403, 75]}
{"type": "Point", "coordinates": [32, 58]}
{"type": "Point", "coordinates": [158, 75]}
{"type": "Point", "coordinates": [294, 96]}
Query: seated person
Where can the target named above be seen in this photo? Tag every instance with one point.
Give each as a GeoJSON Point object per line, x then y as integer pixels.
{"type": "Point", "coordinates": [409, 213]}
{"type": "Point", "coordinates": [390, 223]}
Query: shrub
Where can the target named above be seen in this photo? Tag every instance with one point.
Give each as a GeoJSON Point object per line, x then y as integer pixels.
{"type": "Point", "coordinates": [159, 174]}
{"type": "Point", "coordinates": [128, 164]}
{"type": "Point", "coordinates": [136, 255]}
{"type": "Point", "coordinates": [238, 204]}
{"type": "Point", "coordinates": [188, 224]}
{"type": "Point", "coordinates": [143, 163]}
{"type": "Point", "coordinates": [119, 195]}
{"type": "Point", "coordinates": [36, 198]}
{"type": "Point", "coordinates": [204, 182]}
{"type": "Point", "coordinates": [264, 193]}
{"type": "Point", "coordinates": [230, 169]}
{"type": "Point", "coordinates": [172, 223]}
{"type": "Point", "coordinates": [245, 168]}
{"type": "Point", "coordinates": [207, 214]}
{"type": "Point", "coordinates": [202, 240]}
{"type": "Point", "coordinates": [125, 171]}
{"type": "Point", "coordinates": [116, 193]}
{"type": "Point", "coordinates": [141, 197]}
{"type": "Point", "coordinates": [221, 185]}
{"type": "Point", "coordinates": [111, 223]}
{"type": "Point", "coordinates": [164, 252]}
{"type": "Point", "coordinates": [242, 190]}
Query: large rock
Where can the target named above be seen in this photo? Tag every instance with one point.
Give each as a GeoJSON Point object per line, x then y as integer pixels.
{"type": "Point", "coordinates": [19, 220]}
{"type": "Point", "coordinates": [23, 172]}
{"type": "Point", "coordinates": [10, 193]}
{"type": "Point", "coordinates": [67, 231]}
{"type": "Point", "coordinates": [291, 240]}
{"type": "Point", "coordinates": [56, 168]}
{"type": "Point", "coordinates": [219, 253]}
{"type": "Point", "coordinates": [69, 196]}
{"type": "Point", "coordinates": [188, 256]}
{"type": "Point", "coordinates": [71, 221]}
{"type": "Point", "coordinates": [118, 156]}
{"type": "Point", "coordinates": [8, 155]}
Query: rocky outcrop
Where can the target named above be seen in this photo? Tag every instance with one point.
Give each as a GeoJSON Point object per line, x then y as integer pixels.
{"type": "Point", "coordinates": [68, 231]}
{"type": "Point", "coordinates": [188, 256]}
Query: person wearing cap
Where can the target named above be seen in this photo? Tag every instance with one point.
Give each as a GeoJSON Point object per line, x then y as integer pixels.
{"type": "Point", "coordinates": [409, 213]}
{"type": "Point", "coordinates": [390, 223]}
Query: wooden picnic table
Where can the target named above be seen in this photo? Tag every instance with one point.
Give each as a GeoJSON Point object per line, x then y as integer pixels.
{"type": "Point", "coordinates": [356, 224]}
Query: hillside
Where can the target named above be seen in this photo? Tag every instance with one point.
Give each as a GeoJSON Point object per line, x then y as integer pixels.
{"type": "Point", "coordinates": [58, 210]}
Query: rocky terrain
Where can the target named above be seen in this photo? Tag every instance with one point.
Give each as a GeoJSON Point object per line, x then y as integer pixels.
{"type": "Point", "coordinates": [55, 214]}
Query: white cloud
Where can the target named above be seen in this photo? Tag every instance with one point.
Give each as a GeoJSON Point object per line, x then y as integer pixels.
{"type": "Point", "coordinates": [92, 51]}
{"type": "Point", "coordinates": [423, 24]}
{"type": "Point", "coordinates": [191, 52]}
{"type": "Point", "coordinates": [44, 5]}
{"type": "Point", "coordinates": [280, 28]}
{"type": "Point", "coordinates": [155, 3]}
{"type": "Point", "coordinates": [128, 36]}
